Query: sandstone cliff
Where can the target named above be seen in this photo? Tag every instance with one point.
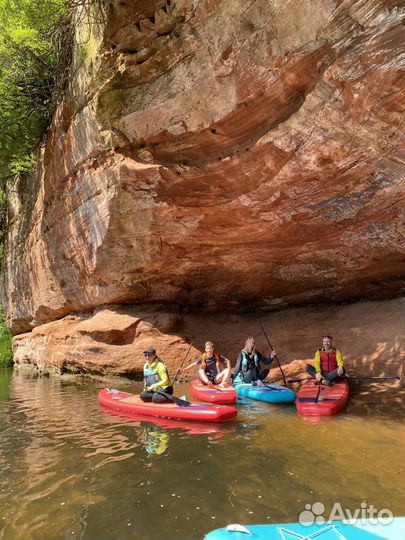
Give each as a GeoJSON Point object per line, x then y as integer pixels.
{"type": "Point", "coordinates": [219, 155]}
{"type": "Point", "coordinates": [111, 341]}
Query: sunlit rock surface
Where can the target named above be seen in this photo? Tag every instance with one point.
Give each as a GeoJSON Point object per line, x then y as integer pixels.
{"type": "Point", "coordinates": [219, 155]}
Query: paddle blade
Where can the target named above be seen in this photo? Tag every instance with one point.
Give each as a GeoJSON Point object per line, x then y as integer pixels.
{"type": "Point", "coordinates": [181, 402]}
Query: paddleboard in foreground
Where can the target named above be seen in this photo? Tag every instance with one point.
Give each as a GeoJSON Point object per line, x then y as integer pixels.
{"type": "Point", "coordinates": [271, 393]}
{"type": "Point", "coordinates": [320, 400]}
{"type": "Point", "coordinates": [213, 394]}
{"type": "Point", "coordinates": [335, 530]}
{"type": "Point", "coordinates": [198, 412]}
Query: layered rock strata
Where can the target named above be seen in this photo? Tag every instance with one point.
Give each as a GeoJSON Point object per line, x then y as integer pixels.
{"type": "Point", "coordinates": [220, 155]}
{"type": "Point", "coordinates": [110, 341]}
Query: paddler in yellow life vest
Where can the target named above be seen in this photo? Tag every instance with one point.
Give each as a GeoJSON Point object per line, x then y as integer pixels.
{"type": "Point", "coordinates": [156, 379]}
{"type": "Point", "coordinates": [215, 368]}
{"type": "Point", "coordinates": [329, 363]}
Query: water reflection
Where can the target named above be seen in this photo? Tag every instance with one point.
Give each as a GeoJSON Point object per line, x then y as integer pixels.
{"type": "Point", "coordinates": [71, 470]}
{"type": "Point", "coordinates": [155, 441]}
{"type": "Point", "coordinates": [156, 431]}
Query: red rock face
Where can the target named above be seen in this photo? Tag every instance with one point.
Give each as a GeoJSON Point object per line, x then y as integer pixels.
{"type": "Point", "coordinates": [111, 341]}
{"type": "Point", "coordinates": [222, 155]}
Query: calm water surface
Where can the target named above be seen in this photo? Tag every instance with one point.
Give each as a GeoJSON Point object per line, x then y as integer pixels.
{"type": "Point", "coordinates": [70, 470]}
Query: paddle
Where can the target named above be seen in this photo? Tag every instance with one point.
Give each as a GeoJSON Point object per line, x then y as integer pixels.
{"type": "Point", "coordinates": [271, 349]}
{"type": "Point", "coordinates": [300, 380]}
{"type": "Point", "coordinates": [178, 401]}
{"type": "Point", "coordinates": [350, 378]}
{"type": "Point", "coordinates": [317, 394]}
{"type": "Point", "coordinates": [372, 378]}
{"type": "Point", "coordinates": [181, 365]}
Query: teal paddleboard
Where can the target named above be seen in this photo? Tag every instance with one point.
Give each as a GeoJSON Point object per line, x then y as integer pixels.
{"type": "Point", "coordinates": [271, 393]}
{"type": "Point", "coordinates": [336, 530]}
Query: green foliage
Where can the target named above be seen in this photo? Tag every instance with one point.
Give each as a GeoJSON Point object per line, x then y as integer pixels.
{"type": "Point", "coordinates": [6, 352]}
{"type": "Point", "coordinates": [27, 69]}
{"type": "Point", "coordinates": [3, 223]}
{"type": "Point", "coordinates": [36, 39]}
{"type": "Point", "coordinates": [29, 63]}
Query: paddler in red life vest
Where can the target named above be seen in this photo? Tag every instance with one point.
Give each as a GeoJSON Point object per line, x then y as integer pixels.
{"type": "Point", "coordinates": [212, 370]}
{"type": "Point", "coordinates": [156, 379]}
{"type": "Point", "coordinates": [328, 363]}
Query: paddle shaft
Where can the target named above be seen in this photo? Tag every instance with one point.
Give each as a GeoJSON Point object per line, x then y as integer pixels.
{"type": "Point", "coordinates": [317, 394]}
{"type": "Point", "coordinates": [373, 378]}
{"type": "Point", "coordinates": [181, 365]}
{"type": "Point", "coordinates": [271, 349]}
{"type": "Point", "coordinates": [349, 378]}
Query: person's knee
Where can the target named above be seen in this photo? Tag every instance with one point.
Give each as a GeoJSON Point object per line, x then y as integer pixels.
{"type": "Point", "coordinates": [264, 374]}
{"type": "Point", "coordinates": [159, 397]}
{"type": "Point", "coordinates": [202, 375]}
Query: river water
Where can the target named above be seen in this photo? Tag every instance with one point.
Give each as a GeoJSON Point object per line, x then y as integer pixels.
{"type": "Point", "coordinates": [70, 470]}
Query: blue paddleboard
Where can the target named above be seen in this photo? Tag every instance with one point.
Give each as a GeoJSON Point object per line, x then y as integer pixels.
{"type": "Point", "coordinates": [336, 530]}
{"type": "Point", "coordinates": [272, 393]}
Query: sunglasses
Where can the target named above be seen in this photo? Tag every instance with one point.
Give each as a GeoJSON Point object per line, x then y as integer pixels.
{"type": "Point", "coordinates": [148, 355]}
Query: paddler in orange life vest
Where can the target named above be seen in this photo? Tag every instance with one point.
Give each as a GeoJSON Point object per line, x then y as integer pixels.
{"type": "Point", "coordinates": [215, 368]}
{"type": "Point", "coordinates": [328, 363]}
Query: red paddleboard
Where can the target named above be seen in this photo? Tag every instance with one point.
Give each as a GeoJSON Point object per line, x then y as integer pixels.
{"type": "Point", "coordinates": [213, 394]}
{"type": "Point", "coordinates": [197, 412]}
{"type": "Point", "coordinates": [321, 400]}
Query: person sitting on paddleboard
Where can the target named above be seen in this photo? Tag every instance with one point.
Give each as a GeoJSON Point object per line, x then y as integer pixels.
{"type": "Point", "coordinates": [247, 369]}
{"type": "Point", "coordinates": [329, 363]}
{"type": "Point", "coordinates": [212, 370]}
{"type": "Point", "coordinates": [156, 379]}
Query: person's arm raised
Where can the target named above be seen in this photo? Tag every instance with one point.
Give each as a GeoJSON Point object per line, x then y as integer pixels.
{"type": "Point", "coordinates": [194, 363]}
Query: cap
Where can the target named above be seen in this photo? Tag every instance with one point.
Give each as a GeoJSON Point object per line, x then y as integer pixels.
{"type": "Point", "coordinates": [151, 350]}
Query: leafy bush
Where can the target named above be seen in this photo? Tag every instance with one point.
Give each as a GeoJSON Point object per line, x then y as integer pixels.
{"type": "Point", "coordinates": [28, 61]}
{"type": "Point", "coordinates": [6, 352]}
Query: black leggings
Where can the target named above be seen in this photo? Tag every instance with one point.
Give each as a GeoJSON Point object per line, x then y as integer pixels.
{"type": "Point", "coordinates": [328, 375]}
{"type": "Point", "coordinates": [252, 375]}
{"type": "Point", "coordinates": [151, 395]}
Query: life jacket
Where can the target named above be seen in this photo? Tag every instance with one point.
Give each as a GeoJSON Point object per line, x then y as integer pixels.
{"type": "Point", "coordinates": [204, 361]}
{"type": "Point", "coordinates": [249, 361]}
{"type": "Point", "coordinates": [150, 376]}
{"type": "Point", "coordinates": [250, 364]}
{"type": "Point", "coordinates": [328, 360]}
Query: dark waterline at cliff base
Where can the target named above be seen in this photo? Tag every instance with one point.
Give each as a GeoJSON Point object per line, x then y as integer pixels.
{"type": "Point", "coordinates": [71, 470]}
